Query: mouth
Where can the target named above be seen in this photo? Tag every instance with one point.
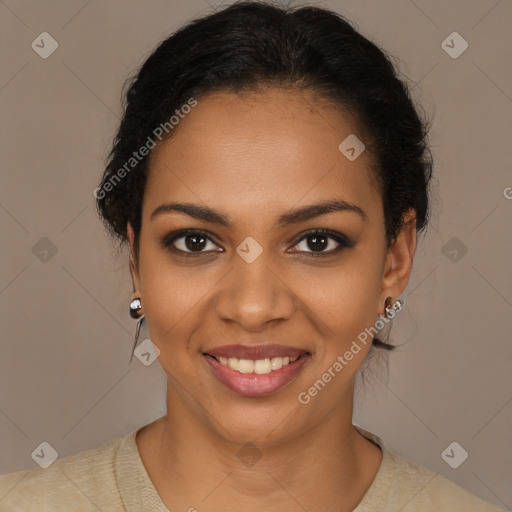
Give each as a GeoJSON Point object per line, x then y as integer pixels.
{"type": "Point", "coordinates": [257, 370]}
{"type": "Point", "coordinates": [257, 366]}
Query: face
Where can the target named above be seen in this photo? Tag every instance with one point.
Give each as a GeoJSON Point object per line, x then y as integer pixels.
{"type": "Point", "coordinates": [260, 267]}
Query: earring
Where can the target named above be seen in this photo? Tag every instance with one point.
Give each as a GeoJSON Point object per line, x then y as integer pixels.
{"type": "Point", "coordinates": [135, 307]}
{"type": "Point", "coordinates": [392, 307]}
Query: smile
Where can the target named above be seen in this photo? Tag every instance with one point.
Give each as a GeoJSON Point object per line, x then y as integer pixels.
{"type": "Point", "coordinates": [256, 377]}
{"type": "Point", "coordinates": [259, 366]}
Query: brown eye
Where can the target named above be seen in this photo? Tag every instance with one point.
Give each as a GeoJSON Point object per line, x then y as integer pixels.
{"type": "Point", "coordinates": [195, 242]}
{"type": "Point", "coordinates": [317, 242]}
{"type": "Point", "coordinates": [189, 242]}
{"type": "Point", "coordinates": [322, 242]}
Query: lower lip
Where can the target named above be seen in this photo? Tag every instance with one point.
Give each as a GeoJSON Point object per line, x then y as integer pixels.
{"type": "Point", "coordinates": [253, 384]}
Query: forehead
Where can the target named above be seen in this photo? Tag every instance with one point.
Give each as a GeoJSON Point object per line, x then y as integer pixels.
{"type": "Point", "coordinates": [259, 149]}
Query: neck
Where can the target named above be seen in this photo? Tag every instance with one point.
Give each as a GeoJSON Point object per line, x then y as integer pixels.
{"type": "Point", "coordinates": [329, 467]}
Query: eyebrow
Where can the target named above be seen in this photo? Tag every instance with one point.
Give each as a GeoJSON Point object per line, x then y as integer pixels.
{"type": "Point", "coordinates": [293, 216]}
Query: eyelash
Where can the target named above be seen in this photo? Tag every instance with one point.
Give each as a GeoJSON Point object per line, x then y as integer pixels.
{"type": "Point", "coordinates": [342, 240]}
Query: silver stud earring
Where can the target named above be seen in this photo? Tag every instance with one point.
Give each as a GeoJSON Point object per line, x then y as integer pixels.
{"type": "Point", "coordinates": [135, 307]}
{"type": "Point", "coordinates": [391, 308]}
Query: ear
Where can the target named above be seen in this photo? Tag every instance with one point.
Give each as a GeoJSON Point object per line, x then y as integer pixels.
{"type": "Point", "coordinates": [399, 259]}
{"type": "Point", "coordinates": [134, 270]}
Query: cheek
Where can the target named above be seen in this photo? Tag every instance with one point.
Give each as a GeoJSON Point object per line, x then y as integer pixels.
{"type": "Point", "coordinates": [172, 298]}
{"type": "Point", "coordinates": [343, 301]}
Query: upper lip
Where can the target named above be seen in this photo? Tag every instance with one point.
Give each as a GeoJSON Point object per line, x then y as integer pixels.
{"type": "Point", "coordinates": [255, 351]}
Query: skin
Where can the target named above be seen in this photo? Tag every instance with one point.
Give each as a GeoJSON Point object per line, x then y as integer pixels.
{"type": "Point", "coordinates": [254, 157]}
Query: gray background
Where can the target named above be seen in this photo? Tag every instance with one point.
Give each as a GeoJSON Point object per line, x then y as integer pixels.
{"type": "Point", "coordinates": [66, 335]}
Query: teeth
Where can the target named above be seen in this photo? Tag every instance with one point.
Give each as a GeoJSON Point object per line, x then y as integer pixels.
{"type": "Point", "coordinates": [259, 366]}
{"type": "Point", "coordinates": [245, 365]}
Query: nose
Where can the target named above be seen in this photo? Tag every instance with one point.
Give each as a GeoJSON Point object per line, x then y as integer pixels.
{"type": "Point", "coordinates": [254, 295]}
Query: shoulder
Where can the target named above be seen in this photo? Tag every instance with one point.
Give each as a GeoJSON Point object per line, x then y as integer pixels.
{"type": "Point", "coordinates": [402, 485]}
{"type": "Point", "coordinates": [85, 481]}
{"type": "Point", "coordinates": [415, 488]}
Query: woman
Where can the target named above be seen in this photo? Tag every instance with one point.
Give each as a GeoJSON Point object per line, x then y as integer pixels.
{"type": "Point", "coordinates": [270, 176]}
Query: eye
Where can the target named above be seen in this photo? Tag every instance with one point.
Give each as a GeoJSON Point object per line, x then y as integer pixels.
{"type": "Point", "coordinates": [190, 242]}
{"type": "Point", "coordinates": [316, 242]}
{"type": "Point", "coordinates": [322, 242]}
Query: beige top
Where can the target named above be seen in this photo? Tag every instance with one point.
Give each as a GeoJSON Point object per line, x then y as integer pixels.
{"type": "Point", "coordinates": [113, 478]}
